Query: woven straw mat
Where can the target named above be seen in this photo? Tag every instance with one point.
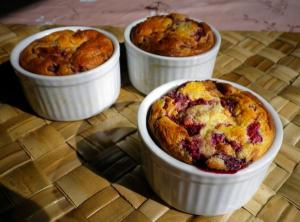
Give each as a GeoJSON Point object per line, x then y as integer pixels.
{"type": "Point", "coordinates": [51, 170]}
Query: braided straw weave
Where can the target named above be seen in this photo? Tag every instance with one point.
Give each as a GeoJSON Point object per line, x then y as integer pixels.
{"type": "Point", "coordinates": [90, 170]}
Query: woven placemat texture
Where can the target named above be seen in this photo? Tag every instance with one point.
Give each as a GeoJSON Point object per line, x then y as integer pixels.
{"type": "Point", "coordinates": [90, 170]}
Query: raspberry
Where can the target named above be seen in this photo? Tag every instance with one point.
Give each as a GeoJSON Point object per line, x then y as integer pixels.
{"type": "Point", "coordinates": [221, 87]}
{"type": "Point", "coordinates": [229, 104]}
{"type": "Point", "coordinates": [181, 101]}
{"type": "Point", "coordinates": [198, 102]}
{"type": "Point", "coordinates": [172, 93]}
{"type": "Point", "coordinates": [232, 163]}
{"type": "Point", "coordinates": [194, 129]}
{"type": "Point", "coordinates": [217, 138]}
{"type": "Point", "coordinates": [237, 147]}
{"type": "Point", "coordinates": [253, 134]}
{"type": "Point", "coordinates": [198, 34]}
{"type": "Point", "coordinates": [193, 147]}
{"type": "Point", "coordinates": [220, 138]}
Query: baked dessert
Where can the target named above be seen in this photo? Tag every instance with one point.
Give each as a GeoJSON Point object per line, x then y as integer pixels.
{"type": "Point", "coordinates": [66, 52]}
{"type": "Point", "coordinates": [173, 35]}
{"type": "Point", "coordinates": [212, 125]}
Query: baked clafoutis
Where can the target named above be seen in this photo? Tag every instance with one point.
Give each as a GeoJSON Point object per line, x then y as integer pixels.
{"type": "Point", "coordinates": [212, 125]}
{"type": "Point", "coordinates": [173, 35]}
{"type": "Point", "coordinates": [66, 52]}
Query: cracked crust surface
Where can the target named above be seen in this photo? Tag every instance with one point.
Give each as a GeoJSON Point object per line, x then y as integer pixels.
{"type": "Point", "coordinates": [212, 125]}
{"type": "Point", "coordinates": [66, 52]}
{"type": "Point", "coordinates": [173, 35]}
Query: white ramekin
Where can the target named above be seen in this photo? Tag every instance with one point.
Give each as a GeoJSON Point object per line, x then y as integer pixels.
{"type": "Point", "coordinates": [189, 189]}
{"type": "Point", "coordinates": [72, 97]}
{"type": "Point", "coordinates": [148, 71]}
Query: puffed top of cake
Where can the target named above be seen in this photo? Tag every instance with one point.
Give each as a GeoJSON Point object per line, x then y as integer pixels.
{"type": "Point", "coordinates": [66, 52]}
{"type": "Point", "coordinates": [173, 35]}
{"type": "Point", "coordinates": [212, 125]}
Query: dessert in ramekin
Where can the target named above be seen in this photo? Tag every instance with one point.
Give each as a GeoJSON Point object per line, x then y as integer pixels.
{"type": "Point", "coordinates": [59, 95]}
{"type": "Point", "coordinates": [212, 125]}
{"type": "Point", "coordinates": [66, 52]}
{"type": "Point", "coordinates": [164, 48]}
{"type": "Point", "coordinates": [194, 190]}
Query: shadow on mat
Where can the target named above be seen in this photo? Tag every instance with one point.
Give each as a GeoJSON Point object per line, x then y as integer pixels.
{"type": "Point", "coordinates": [11, 90]}
{"type": "Point", "coordinates": [15, 212]}
{"type": "Point", "coordinates": [112, 163]}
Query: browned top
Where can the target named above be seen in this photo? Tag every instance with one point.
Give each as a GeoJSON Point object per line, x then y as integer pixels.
{"type": "Point", "coordinates": [66, 52]}
{"type": "Point", "coordinates": [173, 35]}
{"type": "Point", "coordinates": [212, 125]}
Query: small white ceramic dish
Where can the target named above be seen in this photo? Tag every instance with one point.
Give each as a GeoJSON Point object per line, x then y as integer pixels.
{"type": "Point", "coordinates": [189, 189]}
{"type": "Point", "coordinates": [147, 71]}
{"type": "Point", "coordinates": [72, 97]}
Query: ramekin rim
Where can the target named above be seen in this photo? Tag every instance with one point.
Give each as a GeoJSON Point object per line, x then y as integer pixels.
{"type": "Point", "coordinates": [181, 166]}
{"type": "Point", "coordinates": [14, 56]}
{"type": "Point", "coordinates": [128, 41]}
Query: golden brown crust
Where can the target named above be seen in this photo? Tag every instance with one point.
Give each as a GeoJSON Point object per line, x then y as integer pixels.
{"type": "Point", "coordinates": [173, 35]}
{"type": "Point", "coordinates": [170, 134]}
{"type": "Point", "coordinates": [212, 125]}
{"type": "Point", "coordinates": [66, 52]}
{"type": "Point", "coordinates": [271, 128]}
